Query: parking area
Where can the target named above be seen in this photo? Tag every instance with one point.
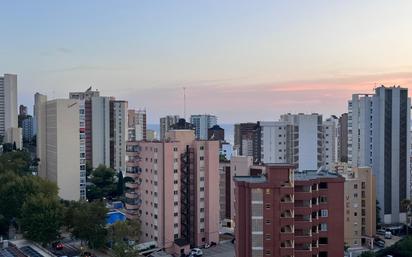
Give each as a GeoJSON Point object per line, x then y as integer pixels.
{"type": "Point", "coordinates": [225, 249]}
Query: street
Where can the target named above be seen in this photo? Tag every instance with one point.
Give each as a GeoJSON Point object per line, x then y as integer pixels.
{"type": "Point", "coordinates": [225, 249]}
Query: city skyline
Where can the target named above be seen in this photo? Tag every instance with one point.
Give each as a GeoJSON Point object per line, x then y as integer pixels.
{"type": "Point", "coordinates": [279, 57]}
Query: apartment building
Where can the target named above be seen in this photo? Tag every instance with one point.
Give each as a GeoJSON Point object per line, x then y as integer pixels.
{"type": "Point", "coordinates": [166, 123]}
{"type": "Point", "coordinates": [246, 139]}
{"type": "Point", "coordinates": [58, 145]}
{"type": "Point", "coordinates": [137, 128]}
{"type": "Point", "coordinates": [175, 190]}
{"type": "Point", "coordinates": [378, 137]}
{"type": "Point", "coordinates": [8, 103]}
{"type": "Point", "coordinates": [330, 140]}
{"type": "Point", "coordinates": [85, 126]}
{"type": "Point", "coordinates": [360, 207]}
{"type": "Point", "coordinates": [305, 143]}
{"type": "Point", "coordinates": [118, 135]}
{"type": "Point", "coordinates": [273, 141]}
{"type": "Point", "coordinates": [287, 213]}
{"type": "Point", "coordinates": [343, 138]}
{"type": "Point", "coordinates": [202, 122]}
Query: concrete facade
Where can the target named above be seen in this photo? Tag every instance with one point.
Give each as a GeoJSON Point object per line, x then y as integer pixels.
{"type": "Point", "coordinates": [176, 194]}
{"type": "Point", "coordinates": [287, 213]}
{"type": "Point", "coordinates": [166, 123]}
{"type": "Point", "coordinates": [360, 207]}
{"type": "Point", "coordinates": [378, 128]}
{"type": "Point", "coordinates": [202, 123]}
{"type": "Point", "coordinates": [58, 144]}
{"type": "Point", "coordinates": [8, 103]}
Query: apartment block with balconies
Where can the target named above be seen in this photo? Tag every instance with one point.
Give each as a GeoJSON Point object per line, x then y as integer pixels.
{"type": "Point", "coordinates": [286, 213]}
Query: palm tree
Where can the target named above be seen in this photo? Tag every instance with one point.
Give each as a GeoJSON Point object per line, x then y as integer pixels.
{"type": "Point", "coordinates": [407, 205]}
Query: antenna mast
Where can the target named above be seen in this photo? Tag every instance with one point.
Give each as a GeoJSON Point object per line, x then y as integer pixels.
{"type": "Point", "coordinates": [184, 103]}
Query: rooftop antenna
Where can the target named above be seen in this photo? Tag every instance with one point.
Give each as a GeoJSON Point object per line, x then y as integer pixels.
{"type": "Point", "coordinates": [184, 103]}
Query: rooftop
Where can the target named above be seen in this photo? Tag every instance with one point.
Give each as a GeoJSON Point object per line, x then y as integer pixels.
{"type": "Point", "coordinates": [314, 174]}
{"type": "Point", "coordinates": [251, 179]}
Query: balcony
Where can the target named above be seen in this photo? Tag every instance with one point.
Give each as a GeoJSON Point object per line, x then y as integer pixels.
{"type": "Point", "coordinates": [287, 244]}
{"type": "Point", "coordinates": [133, 204]}
{"type": "Point", "coordinates": [132, 185]}
{"type": "Point", "coordinates": [303, 203]}
{"type": "Point", "coordinates": [132, 195]}
{"type": "Point", "coordinates": [287, 214]}
{"type": "Point", "coordinates": [303, 247]}
{"type": "Point", "coordinates": [288, 229]}
{"type": "Point", "coordinates": [287, 199]}
{"type": "Point", "coordinates": [133, 148]}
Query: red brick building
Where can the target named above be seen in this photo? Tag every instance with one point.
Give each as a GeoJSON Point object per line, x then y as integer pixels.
{"type": "Point", "coordinates": [285, 213]}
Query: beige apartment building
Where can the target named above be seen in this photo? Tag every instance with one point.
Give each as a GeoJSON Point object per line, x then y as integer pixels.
{"type": "Point", "coordinates": [360, 206]}
{"type": "Point", "coordinates": [58, 144]}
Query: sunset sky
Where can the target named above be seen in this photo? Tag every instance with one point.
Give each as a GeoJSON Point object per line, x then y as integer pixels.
{"type": "Point", "coordinates": [239, 60]}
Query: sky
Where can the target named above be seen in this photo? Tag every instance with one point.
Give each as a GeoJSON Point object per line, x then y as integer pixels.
{"type": "Point", "coordinates": [240, 60]}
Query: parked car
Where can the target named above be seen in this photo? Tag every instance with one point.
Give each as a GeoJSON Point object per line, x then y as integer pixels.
{"type": "Point", "coordinates": [381, 232]}
{"type": "Point", "coordinates": [388, 235]}
{"type": "Point", "coordinates": [196, 252]}
{"type": "Point", "coordinates": [58, 245]}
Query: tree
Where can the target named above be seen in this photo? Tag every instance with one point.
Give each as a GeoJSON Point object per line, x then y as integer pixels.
{"type": "Point", "coordinates": [119, 235]}
{"type": "Point", "coordinates": [120, 184]}
{"type": "Point", "coordinates": [87, 222]}
{"type": "Point", "coordinates": [406, 205]}
{"type": "Point", "coordinates": [17, 162]}
{"type": "Point", "coordinates": [368, 254]}
{"type": "Point", "coordinates": [378, 216]}
{"type": "Point", "coordinates": [103, 183]}
{"type": "Point", "coordinates": [15, 190]}
{"type": "Point", "coordinates": [41, 218]}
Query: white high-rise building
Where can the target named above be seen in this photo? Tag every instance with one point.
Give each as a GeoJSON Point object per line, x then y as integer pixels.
{"type": "Point", "coordinates": [379, 137]}
{"type": "Point", "coordinates": [202, 123]}
{"type": "Point", "coordinates": [360, 112]}
{"type": "Point", "coordinates": [120, 135]}
{"type": "Point", "coordinates": [273, 145]}
{"type": "Point", "coordinates": [58, 144]}
{"type": "Point", "coordinates": [166, 123]}
{"type": "Point", "coordinates": [8, 103]}
{"type": "Point", "coordinates": [330, 140]}
{"type": "Point", "coordinates": [83, 99]}
{"type": "Point", "coordinates": [305, 142]}
{"type": "Point", "coordinates": [100, 137]}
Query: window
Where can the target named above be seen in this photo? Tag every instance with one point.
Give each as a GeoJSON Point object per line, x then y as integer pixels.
{"type": "Point", "coordinates": [324, 213]}
{"type": "Point", "coordinates": [176, 236]}
{"type": "Point", "coordinates": [267, 206]}
{"type": "Point", "coordinates": [175, 149]}
{"type": "Point", "coordinates": [267, 222]}
{"type": "Point", "coordinates": [323, 185]}
{"type": "Point", "coordinates": [202, 158]}
{"type": "Point", "coordinates": [176, 203]}
{"type": "Point", "coordinates": [268, 237]}
{"type": "Point", "coordinates": [202, 209]}
{"type": "Point", "coordinates": [175, 182]}
{"type": "Point", "coordinates": [175, 192]}
{"type": "Point", "coordinates": [323, 227]}
{"type": "Point", "coordinates": [323, 199]}
{"type": "Point", "coordinates": [202, 219]}
{"type": "Point", "coordinates": [323, 240]}
{"type": "Point", "coordinates": [202, 147]}
{"type": "Point", "coordinates": [175, 171]}
{"type": "Point", "coordinates": [355, 186]}
{"type": "Point", "coordinates": [176, 225]}
{"type": "Point", "coordinates": [202, 189]}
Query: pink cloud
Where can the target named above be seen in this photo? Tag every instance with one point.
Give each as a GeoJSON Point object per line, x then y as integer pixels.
{"type": "Point", "coordinates": [234, 103]}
